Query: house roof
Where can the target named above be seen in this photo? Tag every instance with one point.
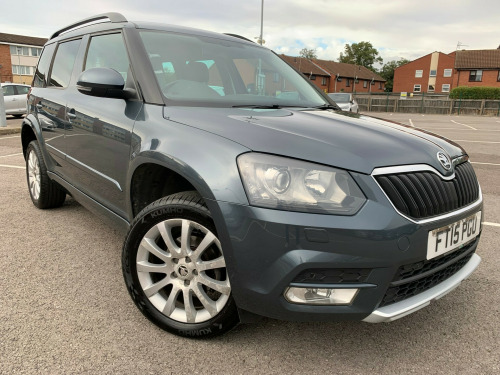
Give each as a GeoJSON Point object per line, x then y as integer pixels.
{"type": "Point", "coordinates": [21, 39]}
{"type": "Point", "coordinates": [305, 66]}
{"type": "Point", "coordinates": [478, 59]}
{"type": "Point", "coordinates": [348, 70]}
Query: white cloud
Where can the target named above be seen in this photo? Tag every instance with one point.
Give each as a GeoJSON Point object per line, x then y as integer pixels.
{"type": "Point", "coordinates": [397, 28]}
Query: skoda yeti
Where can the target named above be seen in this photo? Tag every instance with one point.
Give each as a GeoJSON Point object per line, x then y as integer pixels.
{"type": "Point", "coordinates": [244, 191]}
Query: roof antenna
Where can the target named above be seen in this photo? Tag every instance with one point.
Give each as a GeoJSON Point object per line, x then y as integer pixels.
{"type": "Point", "coordinates": [460, 45]}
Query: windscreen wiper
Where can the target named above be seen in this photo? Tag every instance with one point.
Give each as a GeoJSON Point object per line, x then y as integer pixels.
{"type": "Point", "coordinates": [258, 106]}
{"type": "Point", "coordinates": [327, 106]}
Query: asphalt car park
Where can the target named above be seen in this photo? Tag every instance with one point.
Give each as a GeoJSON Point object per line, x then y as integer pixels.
{"type": "Point", "coordinates": [63, 308]}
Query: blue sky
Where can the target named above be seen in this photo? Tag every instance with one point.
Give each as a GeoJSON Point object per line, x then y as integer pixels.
{"type": "Point", "coordinates": [397, 28]}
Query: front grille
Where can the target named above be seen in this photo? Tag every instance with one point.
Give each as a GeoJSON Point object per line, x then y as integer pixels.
{"type": "Point", "coordinates": [424, 194]}
{"type": "Point", "coordinates": [415, 278]}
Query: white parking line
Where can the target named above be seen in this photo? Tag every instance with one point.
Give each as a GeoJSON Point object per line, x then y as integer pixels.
{"type": "Point", "coordinates": [476, 162]}
{"type": "Point", "coordinates": [459, 123]}
{"type": "Point", "coordinates": [491, 224]}
{"type": "Point", "coordinates": [465, 140]}
{"type": "Point", "coordinates": [6, 156]}
{"type": "Point", "coordinates": [17, 136]}
{"type": "Point", "coordinates": [11, 166]}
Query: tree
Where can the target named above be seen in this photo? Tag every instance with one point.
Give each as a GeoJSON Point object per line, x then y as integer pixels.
{"type": "Point", "coordinates": [362, 53]}
{"type": "Point", "coordinates": [308, 53]}
{"type": "Point", "coordinates": [387, 72]}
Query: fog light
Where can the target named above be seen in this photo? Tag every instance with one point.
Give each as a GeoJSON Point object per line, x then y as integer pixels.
{"type": "Point", "coordinates": [320, 296]}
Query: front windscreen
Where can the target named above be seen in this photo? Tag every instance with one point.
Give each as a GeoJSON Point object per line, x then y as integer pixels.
{"type": "Point", "coordinates": [207, 71]}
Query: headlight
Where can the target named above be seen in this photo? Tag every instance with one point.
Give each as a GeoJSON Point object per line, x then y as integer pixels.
{"type": "Point", "coordinates": [293, 185]}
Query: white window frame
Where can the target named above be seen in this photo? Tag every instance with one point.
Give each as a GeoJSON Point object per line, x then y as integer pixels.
{"type": "Point", "coordinates": [445, 87]}
{"type": "Point", "coordinates": [447, 72]}
{"type": "Point", "coordinates": [419, 73]}
{"type": "Point", "coordinates": [417, 86]}
{"type": "Point", "coordinates": [432, 73]}
{"type": "Point", "coordinates": [431, 88]}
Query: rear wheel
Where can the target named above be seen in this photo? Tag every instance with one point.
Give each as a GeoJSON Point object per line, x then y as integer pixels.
{"type": "Point", "coordinates": [44, 192]}
{"type": "Point", "coordinates": [175, 269]}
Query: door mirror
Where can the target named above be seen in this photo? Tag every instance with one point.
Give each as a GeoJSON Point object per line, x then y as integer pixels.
{"type": "Point", "coordinates": [104, 82]}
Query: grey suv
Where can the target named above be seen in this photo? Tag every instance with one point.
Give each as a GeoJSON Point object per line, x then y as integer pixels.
{"type": "Point", "coordinates": [244, 190]}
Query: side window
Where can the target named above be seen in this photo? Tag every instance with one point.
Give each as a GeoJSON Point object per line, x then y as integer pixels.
{"type": "Point", "coordinates": [43, 66]}
{"type": "Point", "coordinates": [108, 51]}
{"type": "Point", "coordinates": [8, 90]}
{"type": "Point", "coordinates": [63, 63]}
{"type": "Point", "coordinates": [22, 90]}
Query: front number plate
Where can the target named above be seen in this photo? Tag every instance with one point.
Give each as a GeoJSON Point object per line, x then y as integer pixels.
{"type": "Point", "coordinates": [453, 236]}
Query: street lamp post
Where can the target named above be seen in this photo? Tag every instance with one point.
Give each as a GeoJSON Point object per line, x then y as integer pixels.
{"type": "Point", "coordinates": [261, 22]}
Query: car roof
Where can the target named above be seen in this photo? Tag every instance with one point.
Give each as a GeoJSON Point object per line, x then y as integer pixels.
{"type": "Point", "coordinates": [117, 21]}
{"type": "Point", "coordinates": [13, 83]}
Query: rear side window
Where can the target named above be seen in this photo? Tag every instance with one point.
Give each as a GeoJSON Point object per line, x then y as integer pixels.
{"type": "Point", "coordinates": [63, 63]}
{"type": "Point", "coordinates": [42, 69]}
{"type": "Point", "coordinates": [108, 51]}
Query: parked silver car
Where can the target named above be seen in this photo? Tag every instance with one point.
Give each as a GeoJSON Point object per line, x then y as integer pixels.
{"type": "Point", "coordinates": [15, 96]}
{"type": "Point", "coordinates": [345, 101]}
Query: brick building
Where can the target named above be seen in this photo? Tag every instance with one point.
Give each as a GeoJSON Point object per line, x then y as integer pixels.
{"type": "Point", "coordinates": [438, 72]}
{"type": "Point", "coordinates": [432, 73]}
{"type": "Point", "coordinates": [18, 57]}
{"type": "Point", "coordinates": [331, 76]}
{"type": "Point", "coordinates": [477, 68]}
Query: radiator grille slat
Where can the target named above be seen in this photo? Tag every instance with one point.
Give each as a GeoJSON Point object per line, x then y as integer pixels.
{"type": "Point", "coordinates": [424, 194]}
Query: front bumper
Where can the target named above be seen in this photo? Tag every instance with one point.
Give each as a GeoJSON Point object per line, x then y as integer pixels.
{"type": "Point", "coordinates": [400, 309]}
{"type": "Point", "coordinates": [268, 250]}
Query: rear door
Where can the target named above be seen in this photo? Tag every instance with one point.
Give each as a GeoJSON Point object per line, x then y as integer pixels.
{"type": "Point", "coordinates": [48, 97]}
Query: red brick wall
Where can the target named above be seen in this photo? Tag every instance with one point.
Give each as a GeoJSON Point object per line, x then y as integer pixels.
{"type": "Point", "coordinates": [318, 81]}
{"type": "Point", "coordinates": [404, 76]}
{"type": "Point", "coordinates": [445, 62]}
{"type": "Point", "coordinates": [6, 69]}
{"type": "Point", "coordinates": [490, 79]}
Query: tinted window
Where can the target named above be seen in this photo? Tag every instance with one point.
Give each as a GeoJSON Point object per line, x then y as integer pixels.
{"type": "Point", "coordinates": [108, 51]}
{"type": "Point", "coordinates": [43, 66]}
{"type": "Point", "coordinates": [63, 63]}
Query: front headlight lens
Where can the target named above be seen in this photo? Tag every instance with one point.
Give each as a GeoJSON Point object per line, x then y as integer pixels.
{"type": "Point", "coordinates": [294, 185]}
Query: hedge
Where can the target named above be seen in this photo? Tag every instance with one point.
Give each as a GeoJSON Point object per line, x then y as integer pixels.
{"type": "Point", "coordinates": [464, 92]}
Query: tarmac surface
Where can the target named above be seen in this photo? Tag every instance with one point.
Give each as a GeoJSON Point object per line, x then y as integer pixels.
{"type": "Point", "coordinates": [64, 308]}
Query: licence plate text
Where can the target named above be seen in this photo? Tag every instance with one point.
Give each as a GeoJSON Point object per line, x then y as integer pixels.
{"type": "Point", "coordinates": [453, 236]}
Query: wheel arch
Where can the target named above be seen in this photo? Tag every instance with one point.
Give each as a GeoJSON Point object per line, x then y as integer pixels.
{"type": "Point", "coordinates": [152, 180]}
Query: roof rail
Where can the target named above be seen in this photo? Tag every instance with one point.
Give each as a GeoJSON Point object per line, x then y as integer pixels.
{"type": "Point", "coordinates": [239, 36]}
{"type": "Point", "coordinates": [112, 16]}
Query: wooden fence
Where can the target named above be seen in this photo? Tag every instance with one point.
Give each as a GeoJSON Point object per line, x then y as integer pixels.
{"type": "Point", "coordinates": [427, 104]}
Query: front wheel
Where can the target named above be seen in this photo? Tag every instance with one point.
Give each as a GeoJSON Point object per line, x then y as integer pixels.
{"type": "Point", "coordinates": [175, 269]}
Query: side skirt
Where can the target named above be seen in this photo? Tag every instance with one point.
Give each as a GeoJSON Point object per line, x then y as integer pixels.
{"type": "Point", "coordinates": [93, 206]}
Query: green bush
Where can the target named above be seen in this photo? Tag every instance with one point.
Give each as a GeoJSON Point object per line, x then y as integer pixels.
{"type": "Point", "coordinates": [464, 92]}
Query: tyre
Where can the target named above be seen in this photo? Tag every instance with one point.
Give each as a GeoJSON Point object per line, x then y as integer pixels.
{"type": "Point", "coordinates": [44, 192]}
{"type": "Point", "coordinates": [175, 270]}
